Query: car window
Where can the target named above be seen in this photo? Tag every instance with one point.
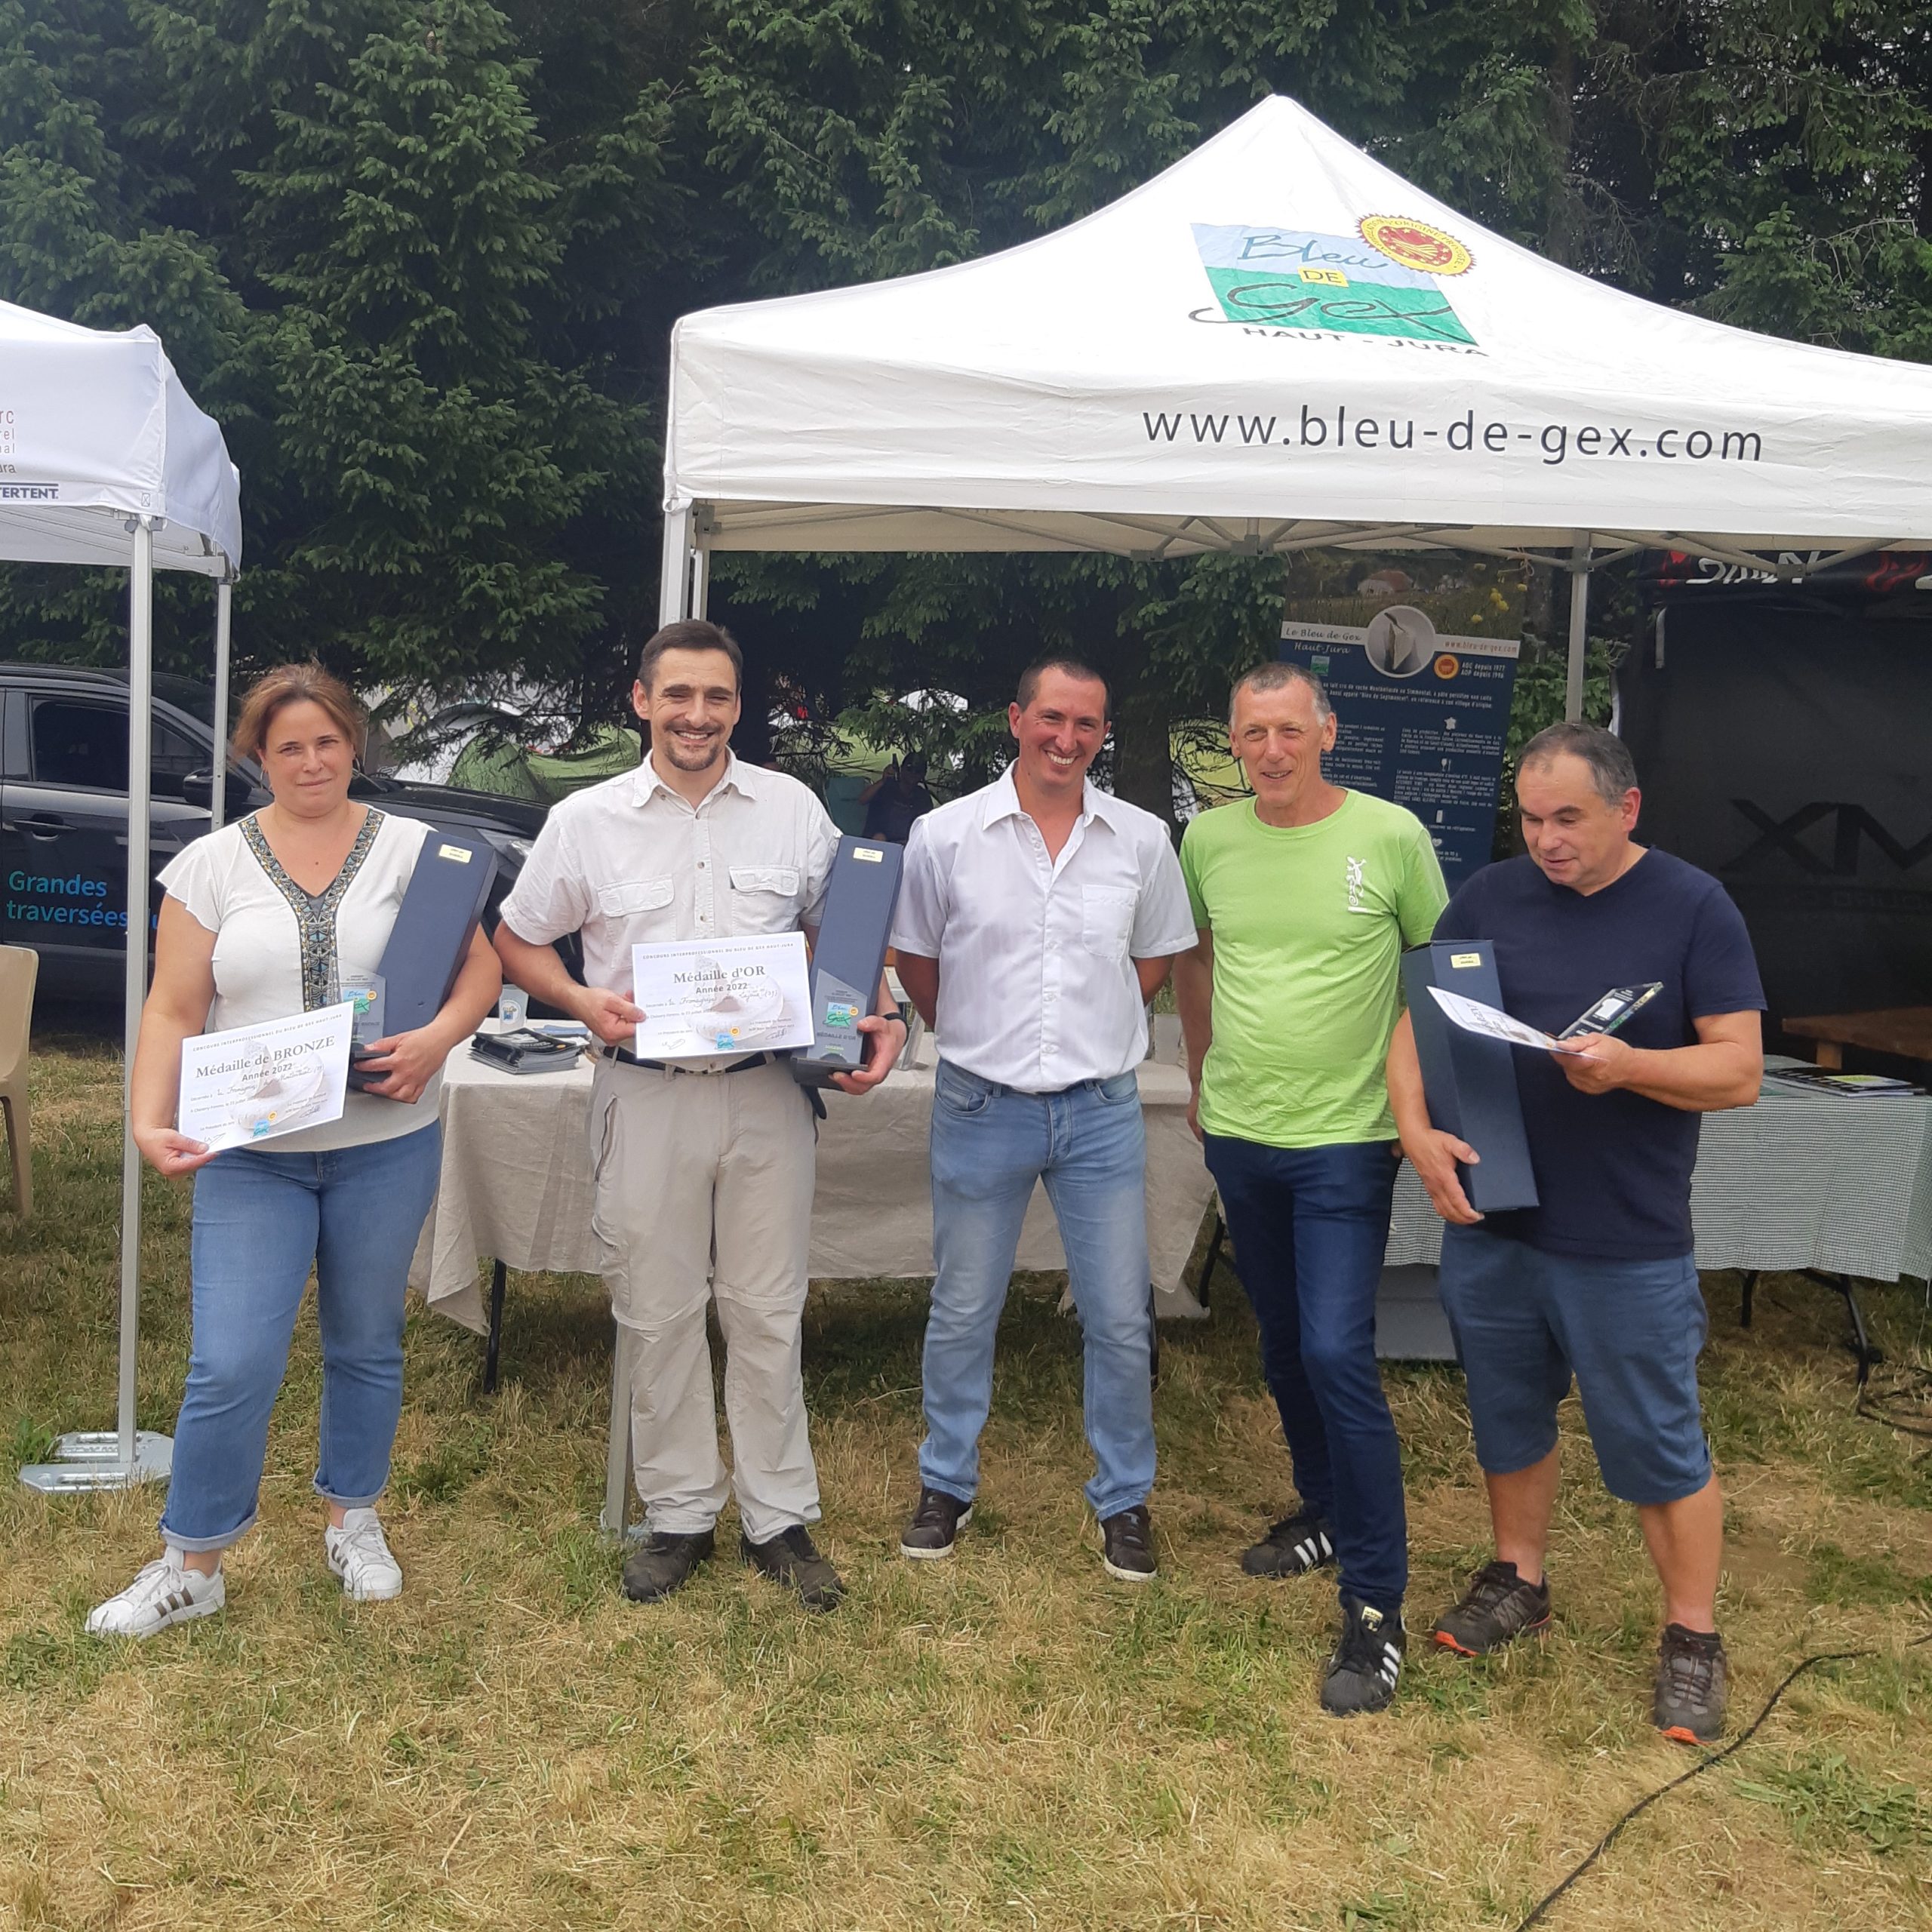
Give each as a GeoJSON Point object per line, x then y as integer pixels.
{"type": "Point", "coordinates": [77, 743]}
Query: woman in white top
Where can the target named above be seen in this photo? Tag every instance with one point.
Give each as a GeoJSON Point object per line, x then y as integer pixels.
{"type": "Point", "coordinates": [266, 918]}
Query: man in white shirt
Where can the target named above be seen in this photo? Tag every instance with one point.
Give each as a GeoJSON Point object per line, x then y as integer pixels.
{"type": "Point", "coordinates": [1038, 918]}
{"type": "Point", "coordinates": [704, 1168]}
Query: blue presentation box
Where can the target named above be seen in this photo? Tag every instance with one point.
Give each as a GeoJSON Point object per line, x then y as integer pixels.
{"type": "Point", "coordinates": [849, 957]}
{"type": "Point", "coordinates": [1470, 1081]}
{"type": "Point", "coordinates": [441, 907]}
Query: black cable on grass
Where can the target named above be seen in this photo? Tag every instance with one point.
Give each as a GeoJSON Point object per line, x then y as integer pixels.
{"type": "Point", "coordinates": [1703, 1764]}
{"type": "Point", "coordinates": [1906, 1407]}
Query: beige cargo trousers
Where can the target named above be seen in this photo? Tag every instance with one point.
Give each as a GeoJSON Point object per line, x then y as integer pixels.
{"type": "Point", "coordinates": [703, 1192]}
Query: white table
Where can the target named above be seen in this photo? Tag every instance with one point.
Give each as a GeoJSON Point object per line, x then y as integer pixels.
{"type": "Point", "coordinates": [515, 1186]}
{"type": "Point", "coordinates": [515, 1189]}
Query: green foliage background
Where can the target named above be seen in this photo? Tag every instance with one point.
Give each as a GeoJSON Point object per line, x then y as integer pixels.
{"type": "Point", "coordinates": [421, 257]}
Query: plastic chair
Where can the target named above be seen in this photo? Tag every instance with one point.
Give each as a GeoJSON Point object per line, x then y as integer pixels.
{"type": "Point", "coordinates": [19, 967]}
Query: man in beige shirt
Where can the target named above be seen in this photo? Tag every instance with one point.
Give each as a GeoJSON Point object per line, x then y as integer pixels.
{"type": "Point", "coordinates": [704, 1168]}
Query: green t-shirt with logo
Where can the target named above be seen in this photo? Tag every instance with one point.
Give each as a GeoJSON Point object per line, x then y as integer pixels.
{"type": "Point", "coordinates": [1308, 924]}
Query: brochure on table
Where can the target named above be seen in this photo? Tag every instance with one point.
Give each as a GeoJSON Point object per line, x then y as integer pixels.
{"type": "Point", "coordinates": [702, 997]}
{"type": "Point", "coordinates": [249, 1084]}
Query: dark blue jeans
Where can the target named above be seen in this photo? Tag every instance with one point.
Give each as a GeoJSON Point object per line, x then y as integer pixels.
{"type": "Point", "coordinates": [1310, 1226]}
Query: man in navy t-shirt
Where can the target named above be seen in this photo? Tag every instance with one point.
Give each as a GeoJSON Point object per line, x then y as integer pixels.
{"type": "Point", "coordinates": [1599, 1279]}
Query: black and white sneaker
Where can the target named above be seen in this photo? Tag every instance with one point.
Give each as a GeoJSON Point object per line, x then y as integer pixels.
{"type": "Point", "coordinates": [1367, 1662]}
{"type": "Point", "coordinates": [935, 1526]}
{"type": "Point", "coordinates": [1292, 1547]}
{"type": "Point", "coordinates": [1126, 1546]}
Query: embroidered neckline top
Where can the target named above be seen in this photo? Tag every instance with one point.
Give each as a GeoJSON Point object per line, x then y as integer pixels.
{"type": "Point", "coordinates": [314, 911]}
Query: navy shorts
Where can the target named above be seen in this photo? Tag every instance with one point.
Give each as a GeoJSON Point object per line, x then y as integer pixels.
{"type": "Point", "coordinates": [1630, 1331]}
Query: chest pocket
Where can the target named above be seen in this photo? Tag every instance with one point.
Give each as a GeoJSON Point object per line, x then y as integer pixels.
{"type": "Point", "coordinates": [1106, 920]}
{"type": "Point", "coordinates": [764, 898]}
{"type": "Point", "coordinates": [630, 897]}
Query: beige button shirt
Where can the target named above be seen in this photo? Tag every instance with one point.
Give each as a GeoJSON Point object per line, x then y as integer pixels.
{"type": "Point", "coordinates": [628, 862]}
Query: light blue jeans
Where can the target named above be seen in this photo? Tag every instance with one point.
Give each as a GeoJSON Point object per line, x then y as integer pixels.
{"type": "Point", "coordinates": [989, 1145]}
{"type": "Point", "coordinates": [261, 1220]}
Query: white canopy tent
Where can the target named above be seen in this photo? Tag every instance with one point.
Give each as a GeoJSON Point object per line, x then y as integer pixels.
{"type": "Point", "coordinates": [105, 461]}
{"type": "Point", "coordinates": [1278, 344]}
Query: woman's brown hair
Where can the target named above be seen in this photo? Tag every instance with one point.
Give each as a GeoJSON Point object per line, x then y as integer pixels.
{"type": "Point", "coordinates": [274, 690]}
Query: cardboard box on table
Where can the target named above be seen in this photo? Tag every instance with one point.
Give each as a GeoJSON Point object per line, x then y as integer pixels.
{"type": "Point", "coordinates": [1470, 1080]}
{"type": "Point", "coordinates": [849, 957]}
{"type": "Point", "coordinates": [441, 907]}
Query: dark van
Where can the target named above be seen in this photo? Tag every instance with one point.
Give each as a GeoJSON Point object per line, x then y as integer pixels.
{"type": "Point", "coordinates": [63, 813]}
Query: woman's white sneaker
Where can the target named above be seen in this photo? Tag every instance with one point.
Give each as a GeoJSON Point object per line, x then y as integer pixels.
{"type": "Point", "coordinates": [359, 1556]}
{"type": "Point", "coordinates": [164, 1592]}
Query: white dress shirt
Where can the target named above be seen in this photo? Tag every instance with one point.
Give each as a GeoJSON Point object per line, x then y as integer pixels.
{"type": "Point", "coordinates": [628, 862]}
{"type": "Point", "coordinates": [1037, 989]}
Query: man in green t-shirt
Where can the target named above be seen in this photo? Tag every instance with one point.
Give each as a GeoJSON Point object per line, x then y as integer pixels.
{"type": "Point", "coordinates": [1304, 897]}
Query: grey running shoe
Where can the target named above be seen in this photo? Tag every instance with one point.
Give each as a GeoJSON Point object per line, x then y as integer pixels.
{"type": "Point", "coordinates": [1292, 1547]}
{"type": "Point", "coordinates": [1694, 1674]}
{"type": "Point", "coordinates": [1367, 1662]}
{"type": "Point", "coordinates": [664, 1562]}
{"type": "Point", "coordinates": [935, 1526]}
{"type": "Point", "coordinates": [1497, 1606]}
{"type": "Point", "coordinates": [1126, 1546]}
{"type": "Point", "coordinates": [792, 1559]}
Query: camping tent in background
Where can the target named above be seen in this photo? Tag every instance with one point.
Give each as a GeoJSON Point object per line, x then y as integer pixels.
{"type": "Point", "coordinates": [104, 460]}
{"type": "Point", "coordinates": [1276, 344]}
{"type": "Point", "coordinates": [508, 770]}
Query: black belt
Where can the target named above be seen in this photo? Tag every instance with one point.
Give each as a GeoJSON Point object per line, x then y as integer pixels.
{"type": "Point", "coordinates": [624, 1055]}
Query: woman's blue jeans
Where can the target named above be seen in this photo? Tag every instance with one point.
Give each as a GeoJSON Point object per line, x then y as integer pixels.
{"type": "Point", "coordinates": [261, 1220]}
{"type": "Point", "coordinates": [990, 1144]}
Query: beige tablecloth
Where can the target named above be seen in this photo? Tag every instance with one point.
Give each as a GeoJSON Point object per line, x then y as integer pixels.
{"type": "Point", "coordinates": [515, 1185]}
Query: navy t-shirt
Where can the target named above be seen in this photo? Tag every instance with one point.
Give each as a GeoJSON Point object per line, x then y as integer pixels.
{"type": "Point", "coordinates": [1613, 1170]}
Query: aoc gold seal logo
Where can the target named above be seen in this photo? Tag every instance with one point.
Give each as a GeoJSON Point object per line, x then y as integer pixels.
{"type": "Point", "coordinates": [1416, 244]}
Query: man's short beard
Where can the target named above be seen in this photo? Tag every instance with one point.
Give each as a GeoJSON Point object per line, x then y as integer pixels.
{"type": "Point", "coordinates": [688, 761]}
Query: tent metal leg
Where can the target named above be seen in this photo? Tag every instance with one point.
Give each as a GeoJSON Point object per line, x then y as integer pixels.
{"type": "Point", "coordinates": [91, 1459]}
{"type": "Point", "coordinates": [674, 585]}
{"type": "Point", "coordinates": [1580, 627]}
{"type": "Point", "coordinates": [218, 767]}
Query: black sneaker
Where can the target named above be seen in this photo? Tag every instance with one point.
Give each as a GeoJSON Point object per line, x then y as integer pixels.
{"type": "Point", "coordinates": [935, 1526]}
{"type": "Point", "coordinates": [1292, 1547]}
{"type": "Point", "coordinates": [1367, 1662]}
{"type": "Point", "coordinates": [1126, 1546]}
{"type": "Point", "coordinates": [791, 1558]}
{"type": "Point", "coordinates": [663, 1563]}
{"type": "Point", "coordinates": [1692, 1676]}
{"type": "Point", "coordinates": [1497, 1606]}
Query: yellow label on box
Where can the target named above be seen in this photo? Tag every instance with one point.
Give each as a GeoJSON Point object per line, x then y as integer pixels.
{"type": "Point", "coordinates": [1465, 958]}
{"type": "Point", "coordinates": [459, 852]}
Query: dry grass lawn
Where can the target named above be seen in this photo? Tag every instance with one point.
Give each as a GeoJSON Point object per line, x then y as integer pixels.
{"type": "Point", "coordinates": [1007, 1739]}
